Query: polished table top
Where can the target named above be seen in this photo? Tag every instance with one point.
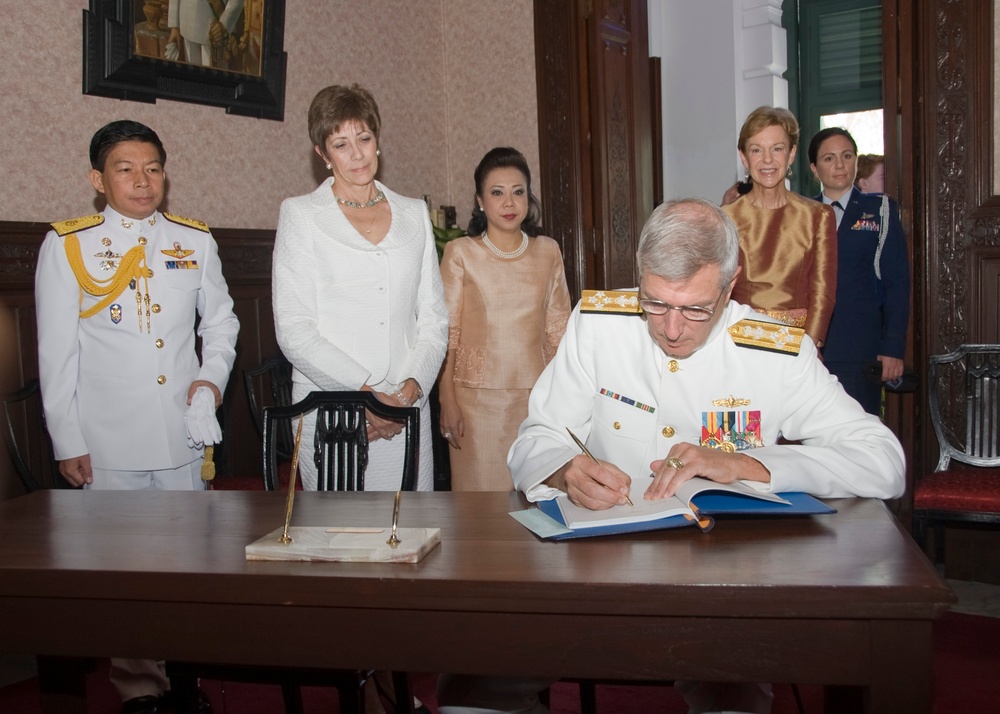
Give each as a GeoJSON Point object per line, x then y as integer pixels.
{"type": "Point", "coordinates": [189, 547]}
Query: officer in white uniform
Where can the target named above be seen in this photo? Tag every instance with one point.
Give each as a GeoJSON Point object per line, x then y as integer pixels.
{"type": "Point", "coordinates": [675, 381]}
{"type": "Point", "coordinates": [127, 402]}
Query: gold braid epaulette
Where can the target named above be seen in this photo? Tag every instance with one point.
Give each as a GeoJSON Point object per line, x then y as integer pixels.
{"type": "Point", "coordinates": [77, 224]}
{"type": "Point", "coordinates": [770, 336]}
{"type": "Point", "coordinates": [625, 302]}
{"type": "Point", "coordinates": [189, 222]}
{"type": "Point", "coordinates": [132, 266]}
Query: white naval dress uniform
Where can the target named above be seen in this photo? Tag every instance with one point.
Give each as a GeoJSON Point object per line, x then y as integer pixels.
{"type": "Point", "coordinates": [115, 385]}
{"type": "Point", "coordinates": [613, 386]}
{"type": "Point", "coordinates": [629, 402]}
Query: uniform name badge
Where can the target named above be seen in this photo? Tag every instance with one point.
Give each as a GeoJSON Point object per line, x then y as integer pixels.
{"type": "Point", "coordinates": [731, 431]}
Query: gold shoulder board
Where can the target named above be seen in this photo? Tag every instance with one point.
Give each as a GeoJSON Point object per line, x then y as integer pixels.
{"type": "Point", "coordinates": [63, 228]}
{"type": "Point", "coordinates": [189, 222]}
{"type": "Point", "coordinates": [624, 302]}
{"type": "Point", "coordinates": [770, 336]}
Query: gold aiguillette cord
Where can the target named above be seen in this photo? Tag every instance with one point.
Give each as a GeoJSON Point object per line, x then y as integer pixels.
{"type": "Point", "coordinates": [291, 482]}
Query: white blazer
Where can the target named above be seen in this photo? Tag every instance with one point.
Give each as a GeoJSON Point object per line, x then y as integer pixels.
{"type": "Point", "coordinates": [348, 313]}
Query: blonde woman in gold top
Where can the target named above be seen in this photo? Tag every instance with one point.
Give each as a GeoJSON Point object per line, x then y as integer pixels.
{"type": "Point", "coordinates": [505, 288]}
{"type": "Point", "coordinates": [788, 244]}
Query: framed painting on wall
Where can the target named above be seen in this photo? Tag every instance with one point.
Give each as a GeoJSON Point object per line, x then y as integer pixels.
{"type": "Point", "coordinates": [225, 53]}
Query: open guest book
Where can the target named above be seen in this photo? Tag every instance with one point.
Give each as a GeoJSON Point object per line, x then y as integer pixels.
{"type": "Point", "coordinates": [695, 504]}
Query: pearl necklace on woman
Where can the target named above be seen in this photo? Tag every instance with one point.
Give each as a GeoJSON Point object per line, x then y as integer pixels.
{"type": "Point", "coordinates": [379, 197]}
{"type": "Point", "coordinates": [504, 254]}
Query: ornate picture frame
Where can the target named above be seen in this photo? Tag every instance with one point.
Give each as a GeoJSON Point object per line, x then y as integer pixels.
{"type": "Point", "coordinates": [130, 51]}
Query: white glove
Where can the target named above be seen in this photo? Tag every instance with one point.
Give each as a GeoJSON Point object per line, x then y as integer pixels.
{"type": "Point", "coordinates": [202, 426]}
{"type": "Point", "coordinates": [171, 52]}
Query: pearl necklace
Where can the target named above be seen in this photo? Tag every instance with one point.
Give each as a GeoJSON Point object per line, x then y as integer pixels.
{"type": "Point", "coordinates": [507, 255]}
{"type": "Point", "coordinates": [380, 196]}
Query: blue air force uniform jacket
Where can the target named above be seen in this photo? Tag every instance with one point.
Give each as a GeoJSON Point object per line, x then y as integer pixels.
{"type": "Point", "coordinates": [744, 388]}
{"type": "Point", "coordinates": [114, 385]}
{"type": "Point", "coordinates": [873, 282]}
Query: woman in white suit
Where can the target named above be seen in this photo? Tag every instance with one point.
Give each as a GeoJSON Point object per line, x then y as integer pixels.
{"type": "Point", "coordinates": [357, 295]}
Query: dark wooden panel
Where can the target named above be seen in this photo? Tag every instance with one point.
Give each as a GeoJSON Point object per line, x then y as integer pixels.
{"type": "Point", "coordinates": [246, 264]}
{"type": "Point", "coordinates": [621, 137]}
{"type": "Point", "coordinates": [948, 107]}
{"type": "Point", "coordinates": [564, 185]}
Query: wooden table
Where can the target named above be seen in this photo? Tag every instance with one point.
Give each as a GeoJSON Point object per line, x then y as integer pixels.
{"type": "Point", "coordinates": [845, 599]}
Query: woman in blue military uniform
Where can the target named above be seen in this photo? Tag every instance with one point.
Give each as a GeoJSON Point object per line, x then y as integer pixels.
{"type": "Point", "coordinates": [866, 341]}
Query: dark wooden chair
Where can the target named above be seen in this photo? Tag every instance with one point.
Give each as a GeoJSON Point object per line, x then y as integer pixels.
{"type": "Point", "coordinates": [340, 450]}
{"type": "Point", "coordinates": [340, 447]}
{"type": "Point", "coordinates": [28, 441]}
{"type": "Point", "coordinates": [964, 488]}
{"type": "Point", "coordinates": [270, 383]}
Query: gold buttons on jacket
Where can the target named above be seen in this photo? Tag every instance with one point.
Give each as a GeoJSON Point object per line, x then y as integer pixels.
{"type": "Point", "coordinates": [668, 431]}
{"type": "Point", "coordinates": [155, 308]}
{"type": "Point", "coordinates": [673, 366]}
{"type": "Point", "coordinates": [161, 379]}
{"type": "Point", "coordinates": [159, 343]}
{"type": "Point", "coordinates": [617, 425]}
{"type": "Point", "coordinates": [149, 272]}
{"type": "Point", "coordinates": [142, 240]}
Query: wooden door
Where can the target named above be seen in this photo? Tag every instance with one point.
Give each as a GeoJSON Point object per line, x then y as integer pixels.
{"type": "Point", "coordinates": [596, 138]}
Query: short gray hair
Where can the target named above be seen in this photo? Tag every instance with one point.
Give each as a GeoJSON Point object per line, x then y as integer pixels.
{"type": "Point", "coordinates": [683, 236]}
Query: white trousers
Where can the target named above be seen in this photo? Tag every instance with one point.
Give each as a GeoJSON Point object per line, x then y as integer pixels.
{"type": "Point", "coordinates": [145, 677]}
{"type": "Point", "coordinates": [183, 478]}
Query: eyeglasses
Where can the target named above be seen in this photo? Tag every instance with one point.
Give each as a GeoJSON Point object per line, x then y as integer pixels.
{"type": "Point", "coordinates": [693, 313]}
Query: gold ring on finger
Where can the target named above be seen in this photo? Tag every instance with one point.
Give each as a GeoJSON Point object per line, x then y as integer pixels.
{"type": "Point", "coordinates": [675, 463]}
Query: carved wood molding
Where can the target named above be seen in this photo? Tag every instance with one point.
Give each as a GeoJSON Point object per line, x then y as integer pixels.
{"type": "Point", "coordinates": [964, 216]}
{"type": "Point", "coordinates": [245, 254]}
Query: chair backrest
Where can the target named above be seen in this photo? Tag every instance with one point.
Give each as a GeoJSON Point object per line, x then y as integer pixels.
{"type": "Point", "coordinates": [28, 441]}
{"type": "Point", "coordinates": [965, 405]}
{"type": "Point", "coordinates": [340, 447]}
{"type": "Point", "coordinates": [270, 383]}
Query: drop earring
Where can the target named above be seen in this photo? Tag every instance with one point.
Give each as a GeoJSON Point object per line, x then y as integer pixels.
{"type": "Point", "coordinates": [328, 167]}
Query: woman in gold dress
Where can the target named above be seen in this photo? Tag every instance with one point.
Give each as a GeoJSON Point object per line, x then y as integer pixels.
{"type": "Point", "coordinates": [788, 244]}
{"type": "Point", "coordinates": [505, 288]}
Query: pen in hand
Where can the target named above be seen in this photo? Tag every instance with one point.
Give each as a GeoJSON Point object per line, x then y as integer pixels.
{"type": "Point", "coordinates": [585, 450]}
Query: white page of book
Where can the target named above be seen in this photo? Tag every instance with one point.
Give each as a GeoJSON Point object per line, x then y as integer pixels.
{"type": "Point", "coordinates": [577, 517]}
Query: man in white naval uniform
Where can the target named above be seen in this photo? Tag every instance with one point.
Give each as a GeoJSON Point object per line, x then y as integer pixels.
{"type": "Point", "coordinates": [679, 382]}
{"type": "Point", "coordinates": [127, 402]}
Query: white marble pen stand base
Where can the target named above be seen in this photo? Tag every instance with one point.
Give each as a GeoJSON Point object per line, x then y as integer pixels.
{"type": "Point", "coordinates": [345, 545]}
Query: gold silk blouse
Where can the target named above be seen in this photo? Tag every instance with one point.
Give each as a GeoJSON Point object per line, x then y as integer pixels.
{"type": "Point", "coordinates": [506, 317]}
{"type": "Point", "coordinates": [789, 261]}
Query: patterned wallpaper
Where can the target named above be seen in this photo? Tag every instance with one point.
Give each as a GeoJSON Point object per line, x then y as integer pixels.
{"type": "Point", "coordinates": [453, 78]}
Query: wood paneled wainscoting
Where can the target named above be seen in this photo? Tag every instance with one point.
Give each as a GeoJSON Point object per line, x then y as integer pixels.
{"type": "Point", "coordinates": [246, 264]}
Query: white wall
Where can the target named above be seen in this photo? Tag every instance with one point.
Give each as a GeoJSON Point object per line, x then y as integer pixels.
{"type": "Point", "coordinates": [720, 59]}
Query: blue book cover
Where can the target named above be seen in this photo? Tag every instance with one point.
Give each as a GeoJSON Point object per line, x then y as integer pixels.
{"type": "Point", "coordinates": [711, 503]}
